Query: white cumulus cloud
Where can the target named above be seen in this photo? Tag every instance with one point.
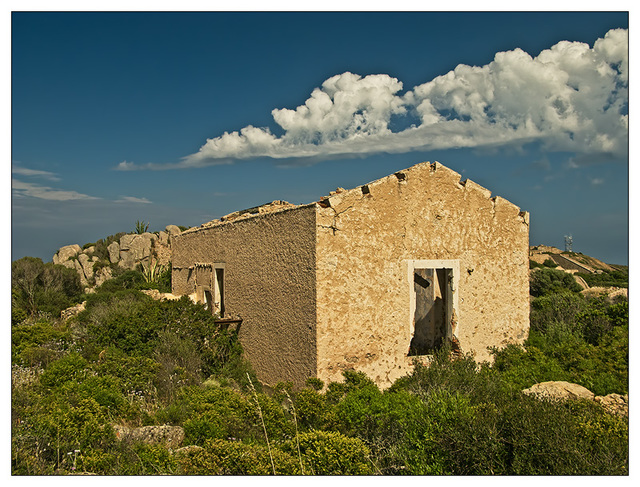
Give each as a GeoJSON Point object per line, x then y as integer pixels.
{"type": "Point", "coordinates": [571, 97]}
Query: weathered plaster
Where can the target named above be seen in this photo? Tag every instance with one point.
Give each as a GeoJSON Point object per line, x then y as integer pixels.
{"type": "Point", "coordinates": [328, 286]}
{"type": "Point", "coordinates": [366, 241]}
{"type": "Point", "coordinates": [269, 279]}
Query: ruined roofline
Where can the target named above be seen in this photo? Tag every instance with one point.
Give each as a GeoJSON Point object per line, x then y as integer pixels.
{"type": "Point", "coordinates": [279, 206]}
{"type": "Point", "coordinates": [402, 175]}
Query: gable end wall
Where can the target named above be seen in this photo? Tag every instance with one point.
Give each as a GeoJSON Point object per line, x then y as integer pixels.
{"type": "Point", "coordinates": [366, 239]}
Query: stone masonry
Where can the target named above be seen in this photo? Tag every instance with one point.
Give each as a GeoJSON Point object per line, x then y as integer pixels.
{"type": "Point", "coordinates": [369, 279]}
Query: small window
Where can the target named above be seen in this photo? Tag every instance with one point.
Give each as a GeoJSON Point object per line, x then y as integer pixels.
{"type": "Point", "coordinates": [433, 305]}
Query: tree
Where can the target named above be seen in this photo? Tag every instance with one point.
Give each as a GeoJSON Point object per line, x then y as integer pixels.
{"type": "Point", "coordinates": [43, 287]}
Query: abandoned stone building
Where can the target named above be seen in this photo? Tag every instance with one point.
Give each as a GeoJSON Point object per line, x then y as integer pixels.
{"type": "Point", "coordinates": [369, 279]}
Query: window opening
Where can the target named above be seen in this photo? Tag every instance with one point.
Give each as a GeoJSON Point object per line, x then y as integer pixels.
{"type": "Point", "coordinates": [218, 306]}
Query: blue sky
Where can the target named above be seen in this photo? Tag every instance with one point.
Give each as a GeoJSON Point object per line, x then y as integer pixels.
{"type": "Point", "coordinates": [179, 118]}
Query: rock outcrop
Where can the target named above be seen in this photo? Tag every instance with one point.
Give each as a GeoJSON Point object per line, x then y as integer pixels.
{"type": "Point", "coordinates": [615, 404]}
{"type": "Point", "coordinates": [114, 252]}
{"type": "Point", "coordinates": [65, 253]}
{"type": "Point", "coordinates": [128, 253]}
{"type": "Point", "coordinates": [72, 311]}
{"type": "Point", "coordinates": [169, 436]}
{"type": "Point", "coordinates": [136, 248]}
{"type": "Point", "coordinates": [559, 390]}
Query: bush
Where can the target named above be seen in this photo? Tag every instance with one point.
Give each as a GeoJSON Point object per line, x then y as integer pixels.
{"type": "Point", "coordinates": [220, 457]}
{"type": "Point", "coordinates": [552, 308]}
{"type": "Point", "coordinates": [616, 278]}
{"type": "Point", "coordinates": [312, 410]}
{"type": "Point", "coordinates": [71, 367]}
{"type": "Point", "coordinates": [125, 280]}
{"type": "Point", "coordinates": [547, 281]}
{"type": "Point", "coordinates": [57, 429]}
{"type": "Point", "coordinates": [552, 438]}
{"type": "Point", "coordinates": [213, 413]}
{"type": "Point", "coordinates": [39, 344]}
{"type": "Point", "coordinates": [331, 453]}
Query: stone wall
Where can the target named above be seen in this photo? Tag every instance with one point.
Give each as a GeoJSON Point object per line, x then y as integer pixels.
{"type": "Point", "coordinates": [269, 281]}
{"type": "Point", "coordinates": [367, 240]}
{"type": "Point", "coordinates": [330, 286]}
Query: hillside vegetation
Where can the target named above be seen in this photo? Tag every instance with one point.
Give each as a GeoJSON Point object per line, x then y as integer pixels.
{"type": "Point", "coordinates": [128, 360]}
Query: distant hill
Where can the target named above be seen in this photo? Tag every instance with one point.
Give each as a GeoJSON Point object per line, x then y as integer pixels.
{"type": "Point", "coordinates": [540, 253]}
{"type": "Point", "coordinates": [588, 271]}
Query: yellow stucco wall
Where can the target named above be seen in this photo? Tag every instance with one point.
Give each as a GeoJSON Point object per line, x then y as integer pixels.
{"type": "Point", "coordinates": [269, 279]}
{"type": "Point", "coordinates": [366, 241]}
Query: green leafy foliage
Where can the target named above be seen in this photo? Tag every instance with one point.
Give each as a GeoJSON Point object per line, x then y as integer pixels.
{"type": "Point", "coordinates": [128, 359]}
{"type": "Point", "coordinates": [547, 281]}
{"type": "Point", "coordinates": [141, 227]}
{"type": "Point", "coordinates": [616, 278]}
{"type": "Point", "coordinates": [331, 453]}
{"type": "Point", "coordinates": [42, 288]}
{"type": "Point", "coordinates": [39, 344]}
{"type": "Point", "coordinates": [220, 457]}
{"type": "Point", "coordinates": [572, 339]}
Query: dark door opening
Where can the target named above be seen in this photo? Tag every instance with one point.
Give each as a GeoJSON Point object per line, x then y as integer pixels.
{"type": "Point", "coordinates": [432, 294]}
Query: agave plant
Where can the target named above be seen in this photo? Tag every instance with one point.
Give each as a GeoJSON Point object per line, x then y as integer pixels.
{"type": "Point", "coordinates": [141, 227]}
{"type": "Point", "coordinates": [151, 272]}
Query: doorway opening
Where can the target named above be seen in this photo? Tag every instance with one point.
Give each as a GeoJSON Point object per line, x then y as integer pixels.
{"type": "Point", "coordinates": [433, 305]}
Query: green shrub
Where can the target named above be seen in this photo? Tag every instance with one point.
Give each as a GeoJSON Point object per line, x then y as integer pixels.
{"type": "Point", "coordinates": [523, 367]}
{"type": "Point", "coordinates": [616, 278]}
{"type": "Point", "coordinates": [126, 280]}
{"type": "Point", "coordinates": [546, 281]}
{"type": "Point", "coordinates": [39, 344]}
{"type": "Point", "coordinates": [331, 453]}
{"type": "Point", "coordinates": [549, 438]}
{"type": "Point", "coordinates": [315, 383]}
{"type": "Point", "coordinates": [312, 410]}
{"type": "Point", "coordinates": [213, 413]}
{"type": "Point", "coordinates": [220, 457]}
{"type": "Point", "coordinates": [56, 430]}
{"type": "Point", "coordinates": [550, 263]}
{"type": "Point", "coordinates": [136, 375]}
{"type": "Point", "coordinates": [71, 367]}
{"type": "Point", "coordinates": [534, 265]}
{"type": "Point", "coordinates": [122, 320]}
{"type": "Point", "coordinates": [556, 307]}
